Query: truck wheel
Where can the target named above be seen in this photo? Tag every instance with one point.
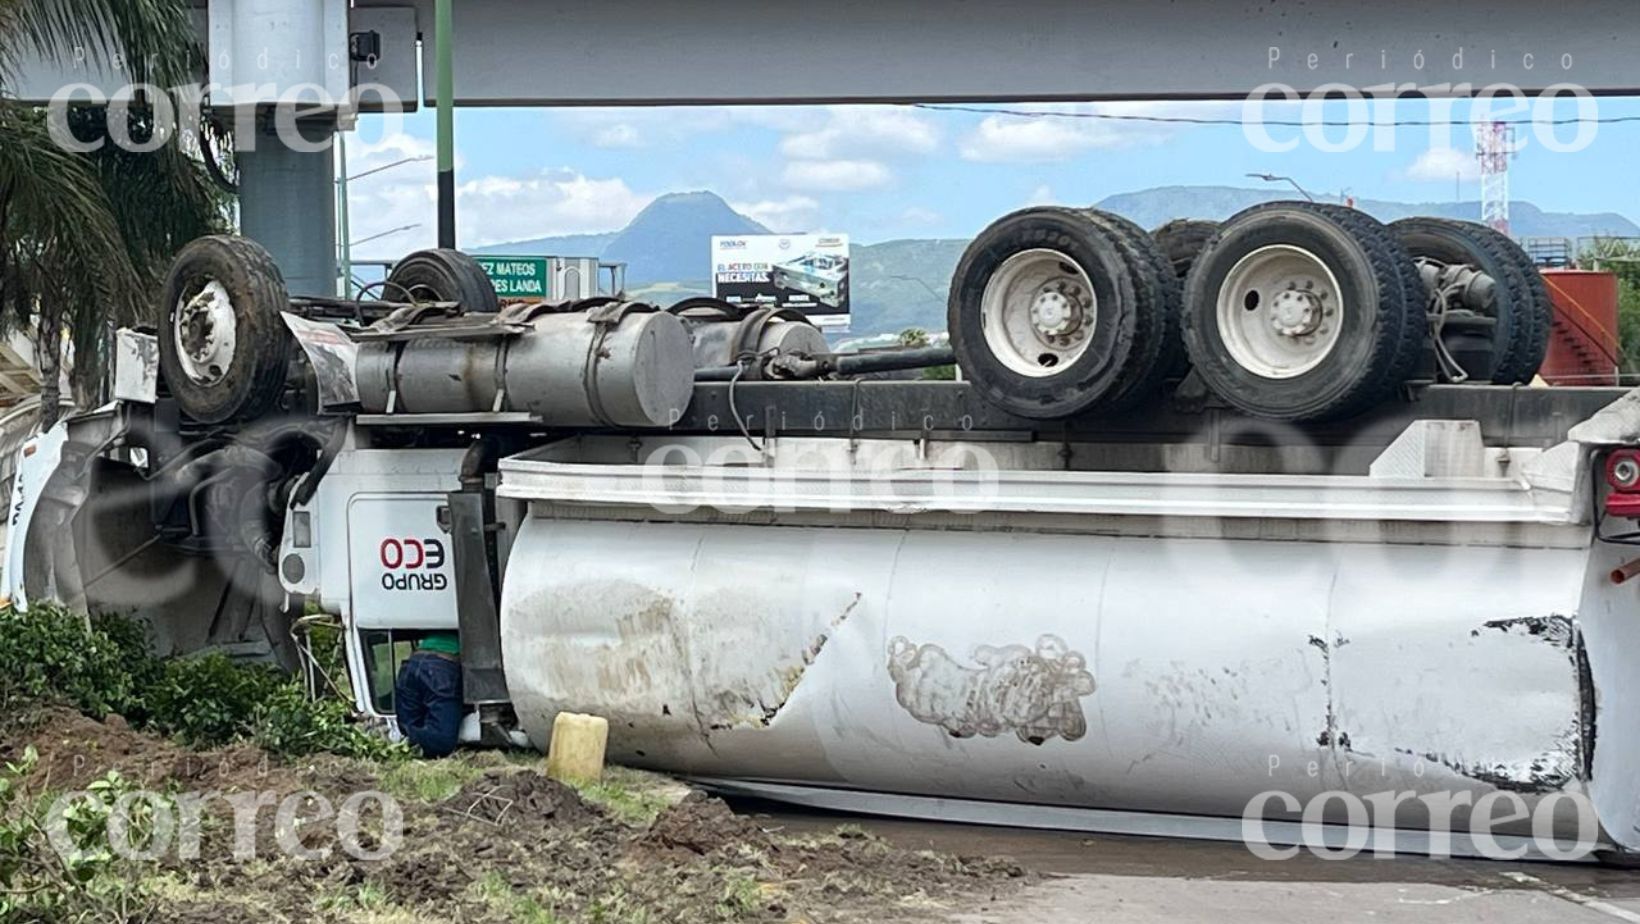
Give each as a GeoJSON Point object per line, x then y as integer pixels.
{"type": "Point", "coordinates": [1304, 311]}
{"type": "Point", "coordinates": [1160, 292]}
{"type": "Point", "coordinates": [1049, 316]}
{"type": "Point", "coordinates": [1182, 239]}
{"type": "Point", "coordinates": [223, 348]}
{"type": "Point", "coordinates": [443, 276]}
{"type": "Point", "coordinates": [1520, 302]}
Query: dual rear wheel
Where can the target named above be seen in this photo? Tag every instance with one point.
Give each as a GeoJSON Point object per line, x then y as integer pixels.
{"type": "Point", "coordinates": [1294, 311]}
{"type": "Point", "coordinates": [1055, 311]}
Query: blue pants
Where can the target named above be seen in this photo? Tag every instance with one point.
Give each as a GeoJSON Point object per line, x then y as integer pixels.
{"type": "Point", "coordinates": [428, 698]}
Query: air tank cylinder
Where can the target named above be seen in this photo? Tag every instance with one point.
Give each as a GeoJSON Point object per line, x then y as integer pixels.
{"type": "Point", "coordinates": [715, 339]}
{"type": "Point", "coordinates": [632, 369]}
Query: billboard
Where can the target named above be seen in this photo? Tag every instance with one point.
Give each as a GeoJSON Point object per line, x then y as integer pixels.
{"type": "Point", "coordinates": [804, 272]}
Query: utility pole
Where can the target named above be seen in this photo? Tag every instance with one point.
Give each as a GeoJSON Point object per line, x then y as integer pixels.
{"type": "Point", "coordinates": [344, 221]}
{"type": "Point", "coordinates": [444, 26]}
{"type": "Point", "coordinates": [343, 232]}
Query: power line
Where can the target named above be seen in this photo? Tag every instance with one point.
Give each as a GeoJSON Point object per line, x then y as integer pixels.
{"type": "Point", "coordinates": [1286, 123]}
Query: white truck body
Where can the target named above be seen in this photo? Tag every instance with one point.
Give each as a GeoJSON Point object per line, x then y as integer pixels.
{"type": "Point", "coordinates": [1014, 630]}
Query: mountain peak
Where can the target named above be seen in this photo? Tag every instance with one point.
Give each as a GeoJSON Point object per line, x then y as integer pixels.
{"type": "Point", "coordinates": [697, 198]}
{"type": "Point", "coordinates": [671, 238]}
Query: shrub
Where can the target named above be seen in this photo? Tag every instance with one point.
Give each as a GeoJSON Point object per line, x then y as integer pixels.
{"type": "Point", "coordinates": [289, 722]}
{"type": "Point", "coordinates": [85, 884]}
{"type": "Point", "coordinates": [208, 701]}
{"type": "Point", "coordinates": [49, 655]}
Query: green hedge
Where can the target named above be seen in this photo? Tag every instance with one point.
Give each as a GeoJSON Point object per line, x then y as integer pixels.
{"type": "Point", "coordinates": [50, 655]}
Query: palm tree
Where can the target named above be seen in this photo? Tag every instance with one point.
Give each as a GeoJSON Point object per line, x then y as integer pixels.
{"type": "Point", "coordinates": [84, 238]}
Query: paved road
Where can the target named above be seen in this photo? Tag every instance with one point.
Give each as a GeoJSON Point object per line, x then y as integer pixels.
{"type": "Point", "coordinates": [1124, 879]}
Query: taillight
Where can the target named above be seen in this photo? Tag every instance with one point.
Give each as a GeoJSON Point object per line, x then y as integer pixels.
{"type": "Point", "coordinates": [1623, 476]}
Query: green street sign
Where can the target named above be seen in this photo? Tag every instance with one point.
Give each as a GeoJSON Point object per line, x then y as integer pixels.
{"type": "Point", "coordinates": [517, 277]}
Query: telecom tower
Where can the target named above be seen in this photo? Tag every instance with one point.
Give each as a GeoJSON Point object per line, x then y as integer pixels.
{"type": "Point", "coordinates": [1494, 148]}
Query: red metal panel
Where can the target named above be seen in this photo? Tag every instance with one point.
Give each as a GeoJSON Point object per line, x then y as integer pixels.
{"type": "Point", "coordinates": [1583, 345]}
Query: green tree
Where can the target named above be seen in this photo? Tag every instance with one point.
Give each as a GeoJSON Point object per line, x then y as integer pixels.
{"type": "Point", "coordinates": [913, 337]}
{"type": "Point", "coordinates": [1621, 256]}
{"type": "Point", "coordinates": [85, 237]}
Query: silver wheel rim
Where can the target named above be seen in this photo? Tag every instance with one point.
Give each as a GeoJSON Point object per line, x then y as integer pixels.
{"type": "Point", "coordinates": [206, 331]}
{"type": "Point", "coordinates": [1279, 312]}
{"type": "Point", "coordinates": [1038, 312]}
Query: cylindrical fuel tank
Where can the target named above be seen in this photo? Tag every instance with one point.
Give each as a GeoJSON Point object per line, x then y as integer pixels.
{"type": "Point", "coordinates": [568, 370]}
{"type": "Point", "coordinates": [715, 339]}
{"type": "Point", "coordinates": [1119, 672]}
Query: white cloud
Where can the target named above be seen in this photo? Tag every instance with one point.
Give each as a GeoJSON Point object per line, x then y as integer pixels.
{"type": "Point", "coordinates": [1011, 139]}
{"type": "Point", "coordinates": [558, 201]}
{"type": "Point", "coordinates": [836, 175]}
{"type": "Point", "coordinates": [1042, 195]}
{"type": "Point", "coordinates": [629, 126]}
{"type": "Point", "coordinates": [619, 135]}
{"type": "Point", "coordinates": [1443, 165]}
{"type": "Point", "coordinates": [1066, 130]}
{"type": "Point", "coordinates": [490, 209]}
{"type": "Point", "coordinates": [793, 213]}
{"type": "Point", "coordinates": [364, 155]}
{"type": "Point", "coordinates": [863, 131]}
{"type": "Point", "coordinates": [917, 215]}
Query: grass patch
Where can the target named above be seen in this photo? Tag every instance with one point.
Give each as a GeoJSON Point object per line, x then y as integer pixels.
{"type": "Point", "coordinates": [632, 796]}
{"type": "Point", "coordinates": [742, 895]}
{"type": "Point", "coordinates": [498, 894]}
{"type": "Point", "coordinates": [429, 780]}
{"type": "Point", "coordinates": [616, 907]}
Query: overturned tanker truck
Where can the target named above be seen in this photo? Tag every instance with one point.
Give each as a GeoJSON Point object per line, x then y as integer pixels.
{"type": "Point", "coordinates": [1215, 512]}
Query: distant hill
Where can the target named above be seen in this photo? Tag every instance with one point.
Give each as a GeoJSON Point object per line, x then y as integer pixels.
{"type": "Point", "coordinates": [1153, 207]}
{"type": "Point", "coordinates": [903, 283]}
{"type": "Point", "coordinates": [668, 241]}
{"type": "Point", "coordinates": [568, 245]}
{"type": "Point", "coordinates": [672, 237]}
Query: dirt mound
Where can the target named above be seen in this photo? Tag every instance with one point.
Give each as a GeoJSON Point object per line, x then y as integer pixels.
{"type": "Point", "coordinates": [701, 824]}
{"type": "Point", "coordinates": [518, 797]}
{"type": "Point", "coordinates": [75, 750]}
{"type": "Point", "coordinates": [509, 845]}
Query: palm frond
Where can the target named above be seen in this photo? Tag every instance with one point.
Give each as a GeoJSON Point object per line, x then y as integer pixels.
{"type": "Point", "coordinates": [154, 40]}
{"type": "Point", "coordinates": [60, 223]}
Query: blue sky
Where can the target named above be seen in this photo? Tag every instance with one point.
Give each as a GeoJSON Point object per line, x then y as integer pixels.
{"type": "Point", "coordinates": [883, 172]}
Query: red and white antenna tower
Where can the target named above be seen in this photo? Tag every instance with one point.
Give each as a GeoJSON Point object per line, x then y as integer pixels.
{"type": "Point", "coordinates": [1494, 148]}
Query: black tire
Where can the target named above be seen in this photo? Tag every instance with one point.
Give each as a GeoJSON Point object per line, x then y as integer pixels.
{"type": "Point", "coordinates": [1378, 345]}
{"type": "Point", "coordinates": [1123, 343]}
{"type": "Point", "coordinates": [1182, 240]}
{"type": "Point", "coordinates": [1159, 290]}
{"type": "Point", "coordinates": [443, 276]}
{"type": "Point", "coordinates": [254, 379]}
{"type": "Point", "coordinates": [1521, 305]}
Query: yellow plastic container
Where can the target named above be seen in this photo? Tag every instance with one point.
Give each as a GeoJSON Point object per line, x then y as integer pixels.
{"type": "Point", "coordinates": [577, 749]}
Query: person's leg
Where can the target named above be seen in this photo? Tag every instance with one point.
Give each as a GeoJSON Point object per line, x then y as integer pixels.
{"type": "Point", "coordinates": [445, 707]}
{"type": "Point", "coordinates": [410, 699]}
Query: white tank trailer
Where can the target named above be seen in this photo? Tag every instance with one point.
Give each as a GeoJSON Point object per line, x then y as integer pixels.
{"type": "Point", "coordinates": [873, 617]}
